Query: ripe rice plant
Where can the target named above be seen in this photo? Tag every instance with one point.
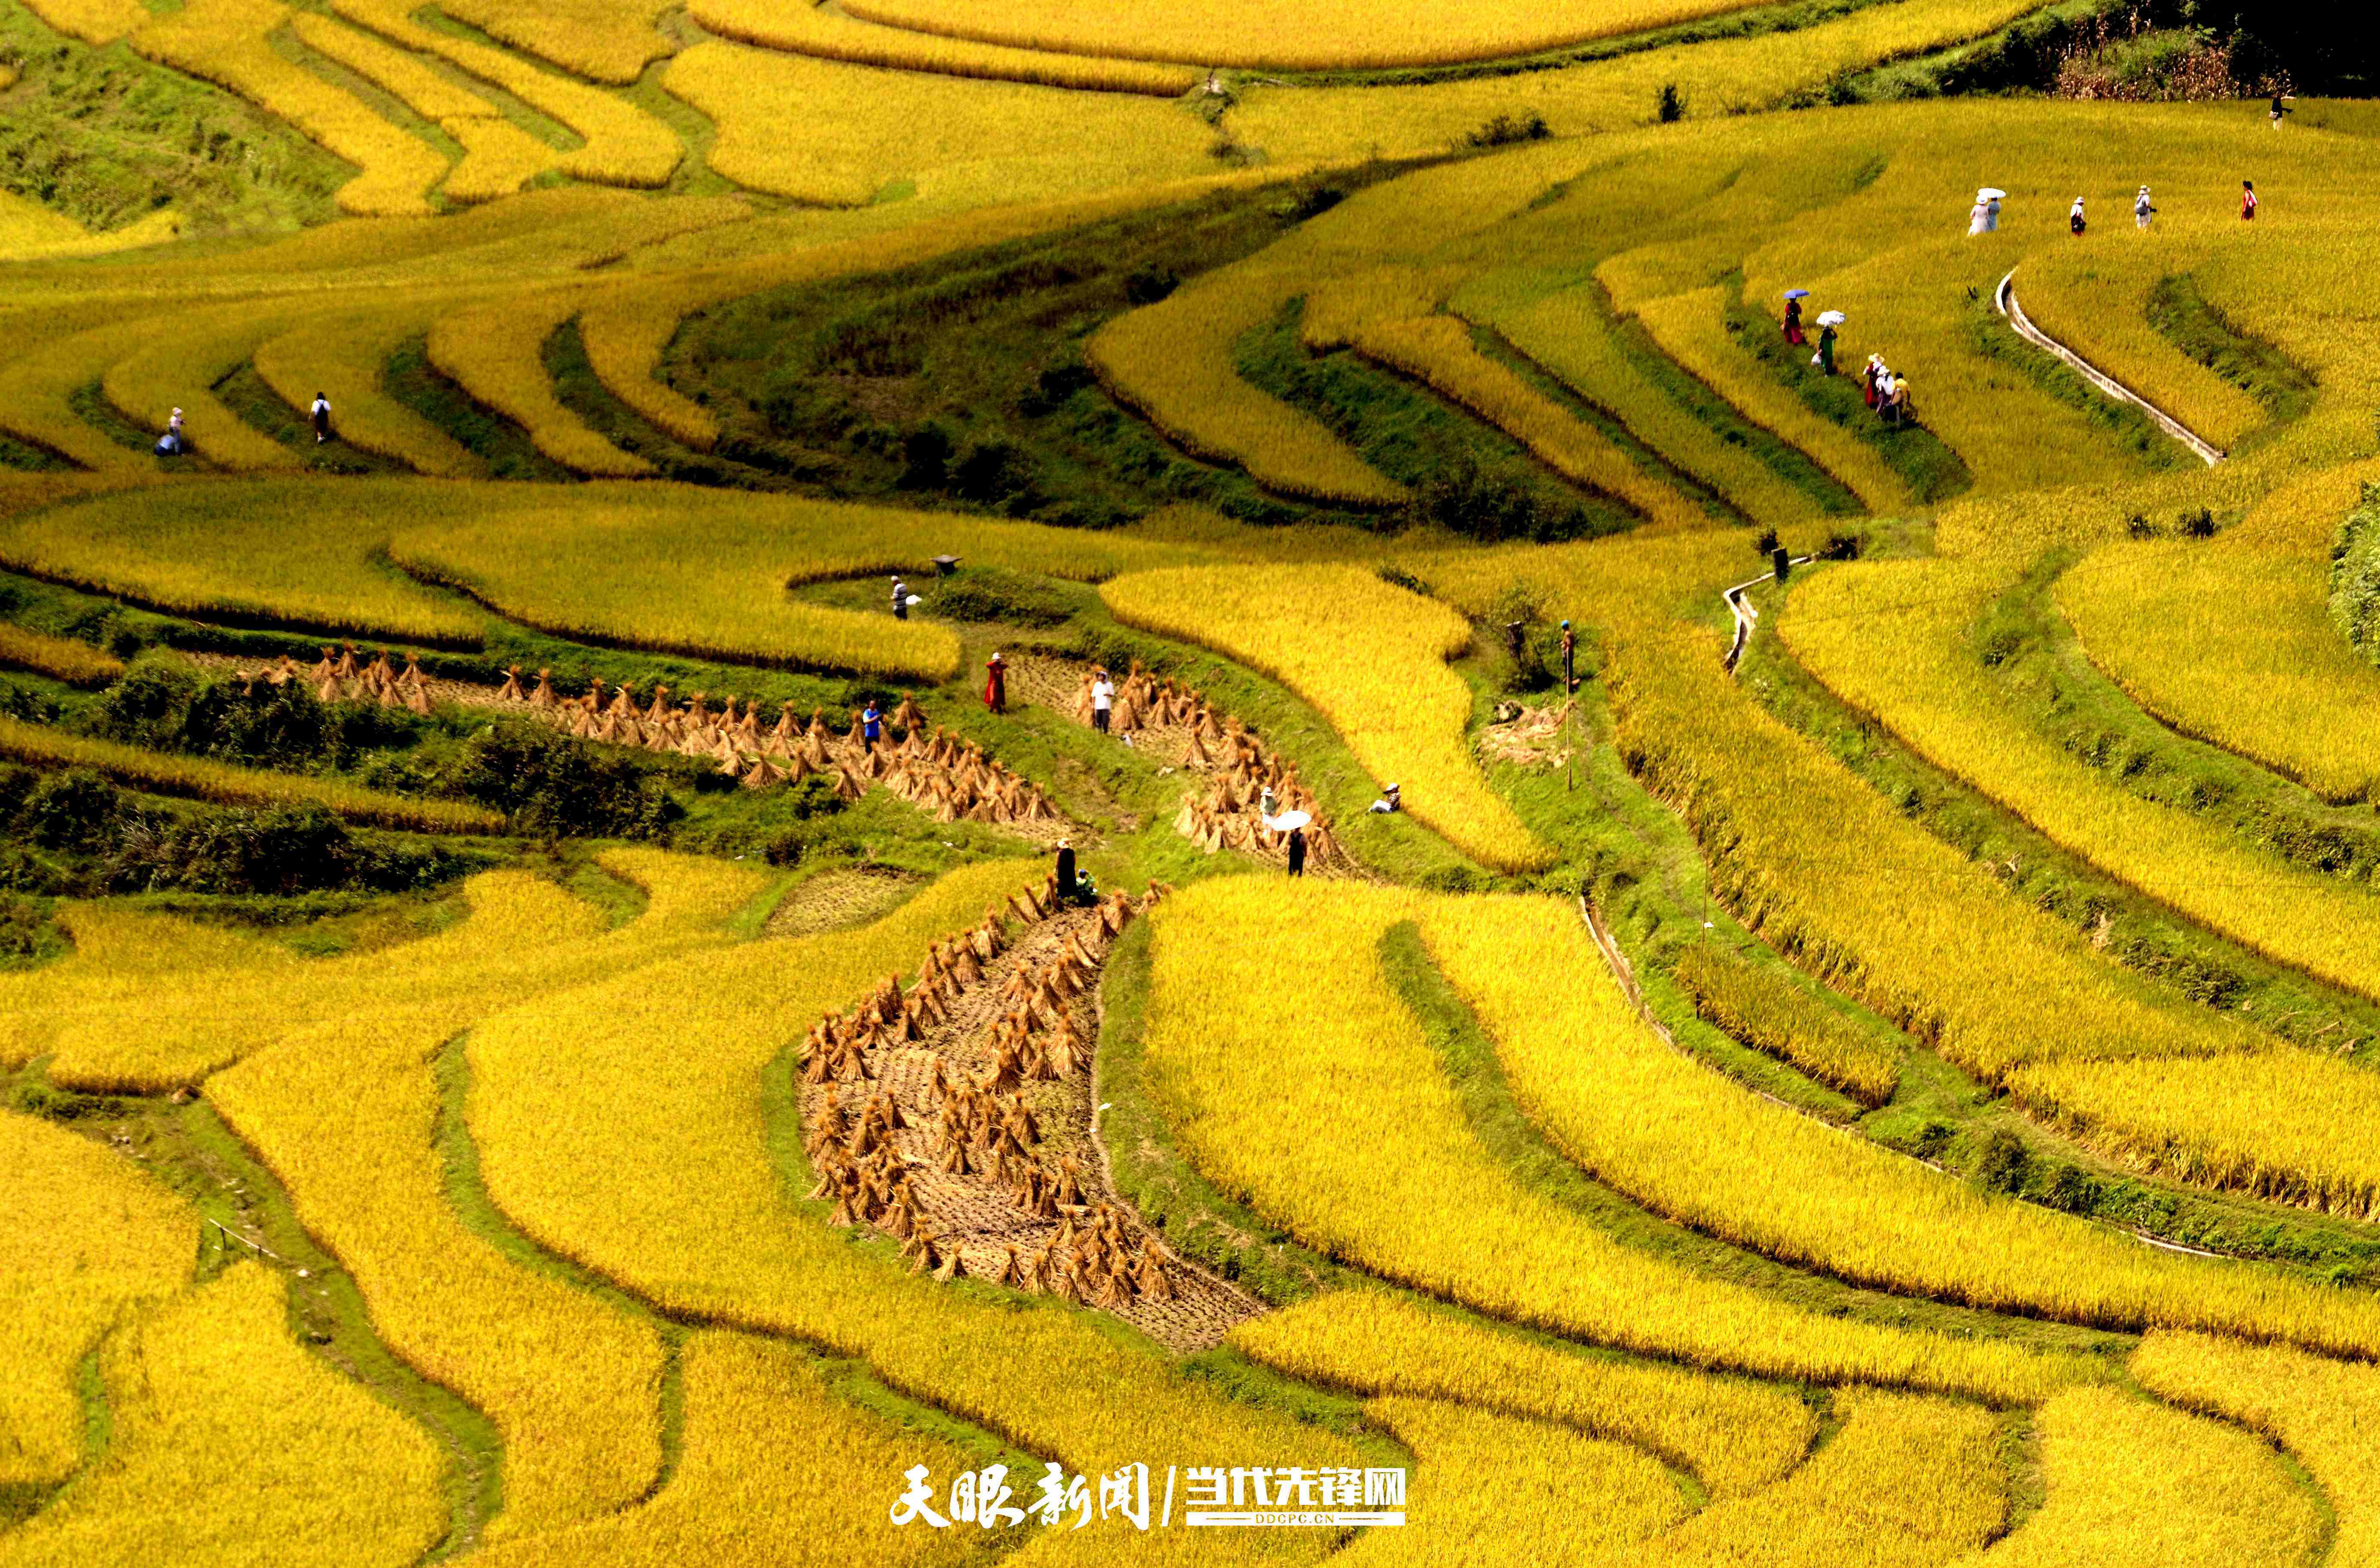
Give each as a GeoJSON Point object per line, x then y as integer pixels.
{"type": "Point", "coordinates": [345, 1107]}
{"type": "Point", "coordinates": [96, 22]}
{"type": "Point", "coordinates": [31, 232]}
{"type": "Point", "coordinates": [1761, 1007]}
{"type": "Point", "coordinates": [1366, 34]}
{"type": "Point", "coordinates": [1889, 638]}
{"type": "Point", "coordinates": [2097, 303]}
{"type": "Point", "coordinates": [179, 363]}
{"type": "Point", "coordinates": [1692, 329]}
{"type": "Point", "coordinates": [225, 552]}
{"type": "Point", "coordinates": [168, 774]}
{"type": "Point", "coordinates": [108, 1036]}
{"type": "Point", "coordinates": [2235, 647]}
{"type": "Point", "coordinates": [91, 1237]}
{"type": "Point", "coordinates": [1908, 1481]}
{"type": "Point", "coordinates": [1734, 1435]}
{"type": "Point", "coordinates": [770, 1451]}
{"type": "Point", "coordinates": [61, 658]}
{"type": "Point", "coordinates": [607, 41]}
{"type": "Point", "coordinates": [117, 953]}
{"type": "Point", "coordinates": [1437, 352]}
{"type": "Point", "coordinates": [343, 354]}
{"type": "Point", "coordinates": [627, 328]}
{"type": "Point", "coordinates": [705, 572]}
{"type": "Point", "coordinates": [2289, 1125]}
{"type": "Point", "coordinates": [2132, 1484]}
{"type": "Point", "coordinates": [498, 159]}
{"type": "Point", "coordinates": [1807, 854]}
{"type": "Point", "coordinates": [496, 353]}
{"type": "Point", "coordinates": [39, 386]}
{"type": "Point", "coordinates": [1684, 1139]}
{"type": "Point", "coordinates": [948, 135]}
{"type": "Point", "coordinates": [805, 27]}
{"type": "Point", "coordinates": [2326, 1414]}
{"type": "Point", "coordinates": [225, 41]}
{"type": "Point", "coordinates": [1566, 332]}
{"type": "Point", "coordinates": [1173, 362]}
{"type": "Point", "coordinates": [625, 145]}
{"type": "Point", "coordinates": [1370, 657]}
{"type": "Point", "coordinates": [227, 1435]}
{"type": "Point", "coordinates": [1486, 1479]}
{"type": "Point", "coordinates": [669, 1183]}
{"type": "Point", "coordinates": [1307, 1089]}
{"type": "Point", "coordinates": [1712, 79]}
{"type": "Point", "coordinates": [422, 88]}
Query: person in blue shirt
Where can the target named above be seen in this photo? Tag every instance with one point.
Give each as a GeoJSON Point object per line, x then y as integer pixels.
{"type": "Point", "coordinates": [871, 724]}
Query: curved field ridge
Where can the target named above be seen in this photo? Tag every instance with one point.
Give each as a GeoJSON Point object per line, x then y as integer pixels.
{"type": "Point", "coordinates": [1371, 657]}
{"type": "Point", "coordinates": [2005, 297]}
{"type": "Point", "coordinates": [212, 1399]}
{"type": "Point", "coordinates": [669, 1184]}
{"type": "Point", "coordinates": [91, 1238]}
{"type": "Point", "coordinates": [168, 773]}
{"type": "Point", "coordinates": [1293, 35]}
{"type": "Point", "coordinates": [1297, 1079]}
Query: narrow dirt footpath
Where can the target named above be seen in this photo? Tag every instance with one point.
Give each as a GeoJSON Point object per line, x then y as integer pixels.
{"type": "Point", "coordinates": [2005, 297]}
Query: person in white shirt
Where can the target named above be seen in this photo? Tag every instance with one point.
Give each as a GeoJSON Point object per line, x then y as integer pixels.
{"type": "Point", "coordinates": [321, 412]}
{"type": "Point", "coordinates": [2142, 210]}
{"type": "Point", "coordinates": [1102, 700]}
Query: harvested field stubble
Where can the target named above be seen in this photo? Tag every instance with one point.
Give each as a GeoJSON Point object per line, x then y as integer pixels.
{"type": "Point", "coordinates": [667, 1184]}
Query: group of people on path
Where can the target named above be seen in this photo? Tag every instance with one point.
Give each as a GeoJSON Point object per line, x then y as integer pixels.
{"type": "Point", "coordinates": [1985, 216]}
{"type": "Point", "coordinates": [1886, 391]}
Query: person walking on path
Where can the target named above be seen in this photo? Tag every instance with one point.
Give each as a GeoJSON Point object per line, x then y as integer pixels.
{"type": "Point", "coordinates": [1826, 349]}
{"type": "Point", "coordinates": [170, 444]}
{"type": "Point", "coordinates": [1102, 700]}
{"type": "Point", "coordinates": [995, 683]}
{"type": "Point", "coordinates": [1869, 376]}
{"type": "Point", "coordinates": [321, 415]}
{"type": "Point", "coordinates": [1066, 871]}
{"type": "Point", "coordinates": [900, 599]}
{"type": "Point", "coordinates": [871, 724]}
{"type": "Point", "coordinates": [2279, 109]}
{"type": "Point", "coordinates": [2142, 210]}
{"type": "Point", "coordinates": [1570, 658]}
{"type": "Point", "coordinates": [1794, 322]}
{"type": "Point", "coordinates": [1297, 852]}
{"type": "Point", "coordinates": [2074, 224]}
{"type": "Point", "coordinates": [2247, 201]}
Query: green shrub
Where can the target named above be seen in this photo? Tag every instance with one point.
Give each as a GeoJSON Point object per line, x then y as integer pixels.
{"type": "Point", "coordinates": [2355, 575]}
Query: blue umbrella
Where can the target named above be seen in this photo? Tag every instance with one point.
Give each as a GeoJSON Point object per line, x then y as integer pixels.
{"type": "Point", "coordinates": [1797, 293]}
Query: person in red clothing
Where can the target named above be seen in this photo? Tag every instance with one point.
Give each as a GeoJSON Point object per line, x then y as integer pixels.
{"type": "Point", "coordinates": [1794, 322]}
{"type": "Point", "coordinates": [2247, 201]}
{"type": "Point", "coordinates": [995, 684]}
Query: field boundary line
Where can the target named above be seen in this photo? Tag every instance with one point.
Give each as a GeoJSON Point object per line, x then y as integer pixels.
{"type": "Point", "coordinates": [2005, 299]}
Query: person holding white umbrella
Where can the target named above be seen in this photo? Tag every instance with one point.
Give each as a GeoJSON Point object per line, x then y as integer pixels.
{"type": "Point", "coordinates": [1294, 823]}
{"type": "Point", "coordinates": [1825, 358]}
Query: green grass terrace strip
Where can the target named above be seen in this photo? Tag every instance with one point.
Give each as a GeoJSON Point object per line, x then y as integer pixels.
{"type": "Point", "coordinates": [238, 786]}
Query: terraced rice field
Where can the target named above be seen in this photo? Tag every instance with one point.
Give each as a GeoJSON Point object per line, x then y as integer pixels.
{"type": "Point", "coordinates": [1879, 1072]}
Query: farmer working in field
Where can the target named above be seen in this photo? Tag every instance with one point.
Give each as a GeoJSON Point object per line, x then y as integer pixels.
{"type": "Point", "coordinates": [900, 599]}
{"type": "Point", "coordinates": [871, 724]}
{"type": "Point", "coordinates": [995, 683]}
{"type": "Point", "coordinates": [2142, 210]}
{"type": "Point", "coordinates": [1102, 700]}
{"type": "Point", "coordinates": [1569, 656]}
{"type": "Point", "coordinates": [1297, 852]}
{"type": "Point", "coordinates": [2074, 224]}
{"type": "Point", "coordinates": [2247, 201]}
